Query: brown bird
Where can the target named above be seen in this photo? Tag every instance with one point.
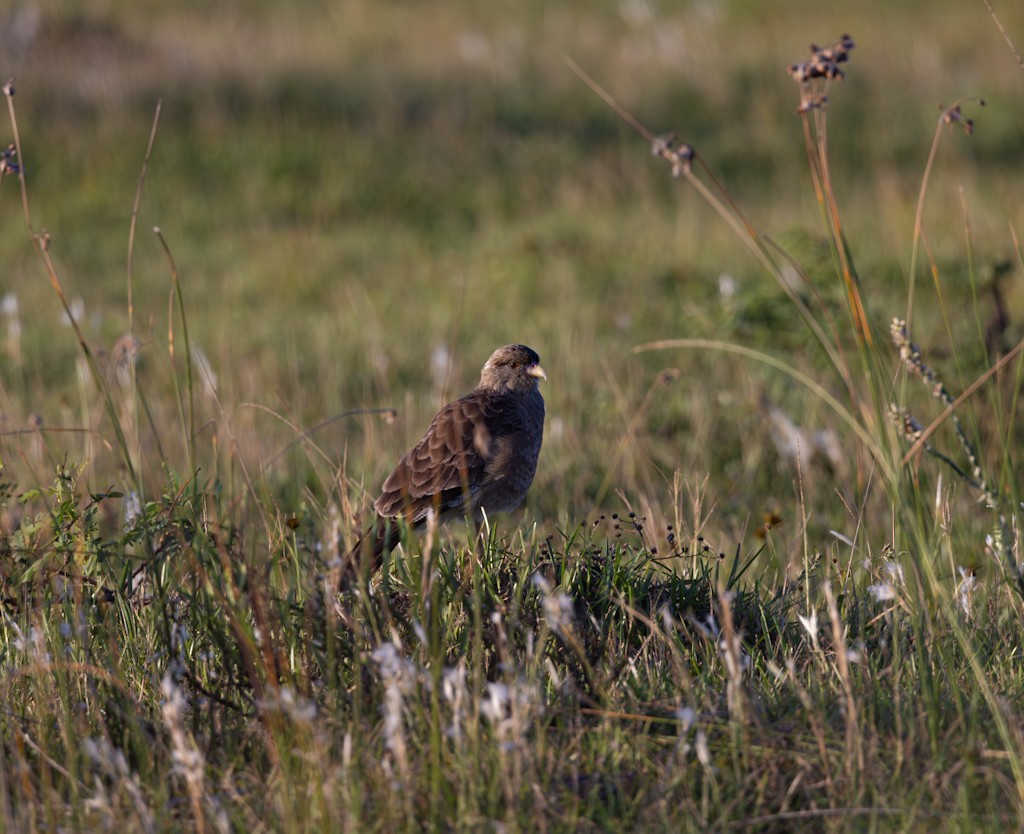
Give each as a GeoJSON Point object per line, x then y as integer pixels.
{"type": "Point", "coordinates": [477, 458]}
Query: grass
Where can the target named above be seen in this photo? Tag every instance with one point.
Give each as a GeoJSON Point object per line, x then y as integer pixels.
{"type": "Point", "coordinates": [739, 597]}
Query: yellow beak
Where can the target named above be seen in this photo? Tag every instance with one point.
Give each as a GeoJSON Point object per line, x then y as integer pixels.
{"type": "Point", "coordinates": [536, 370]}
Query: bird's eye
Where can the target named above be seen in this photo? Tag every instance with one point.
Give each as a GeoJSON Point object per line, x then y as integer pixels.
{"type": "Point", "coordinates": [513, 364]}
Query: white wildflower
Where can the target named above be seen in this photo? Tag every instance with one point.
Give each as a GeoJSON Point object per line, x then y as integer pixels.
{"type": "Point", "coordinates": [509, 708]}
{"type": "Point", "coordinates": [558, 608]}
{"type": "Point", "coordinates": [703, 751]}
{"type": "Point", "coordinates": [456, 693]}
{"type": "Point", "coordinates": [553, 675]}
{"type": "Point", "coordinates": [965, 590]}
{"type": "Point", "coordinates": [686, 716]}
{"type": "Point", "coordinates": [494, 706]}
{"type": "Point", "coordinates": [726, 285]}
{"type": "Point", "coordinates": [34, 644]}
{"type": "Point", "coordinates": [440, 366]}
{"type": "Point", "coordinates": [75, 311]}
{"type": "Point", "coordinates": [9, 306]}
{"type": "Point", "coordinates": [810, 624]}
{"type": "Point", "coordinates": [399, 676]}
{"type": "Point", "coordinates": [420, 632]}
{"type": "Point", "coordinates": [889, 587]}
{"type": "Point", "coordinates": [708, 628]}
{"type": "Point", "coordinates": [291, 704]}
{"type": "Point", "coordinates": [132, 508]}
{"type": "Point", "coordinates": [668, 622]}
{"type": "Point", "coordinates": [186, 759]}
{"type": "Point", "coordinates": [111, 762]}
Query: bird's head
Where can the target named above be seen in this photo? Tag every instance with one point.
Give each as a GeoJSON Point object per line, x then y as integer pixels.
{"type": "Point", "coordinates": [512, 368]}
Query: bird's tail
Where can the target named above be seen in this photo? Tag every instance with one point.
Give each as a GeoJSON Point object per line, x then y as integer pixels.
{"type": "Point", "coordinates": [367, 554]}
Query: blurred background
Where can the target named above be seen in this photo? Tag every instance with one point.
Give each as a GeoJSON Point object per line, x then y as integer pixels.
{"type": "Point", "coordinates": [363, 199]}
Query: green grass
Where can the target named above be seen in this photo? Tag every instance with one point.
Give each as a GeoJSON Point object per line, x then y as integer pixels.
{"type": "Point", "coordinates": [347, 192]}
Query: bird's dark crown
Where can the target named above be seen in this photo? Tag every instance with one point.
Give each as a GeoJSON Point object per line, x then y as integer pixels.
{"type": "Point", "coordinates": [512, 367]}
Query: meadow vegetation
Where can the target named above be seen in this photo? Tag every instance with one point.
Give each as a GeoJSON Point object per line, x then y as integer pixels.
{"type": "Point", "coordinates": [754, 586]}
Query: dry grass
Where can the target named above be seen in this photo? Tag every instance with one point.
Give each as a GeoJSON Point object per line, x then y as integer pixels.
{"type": "Point", "coordinates": [737, 598]}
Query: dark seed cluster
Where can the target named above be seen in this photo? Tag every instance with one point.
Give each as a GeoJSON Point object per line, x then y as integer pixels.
{"type": "Point", "coordinates": [637, 525]}
{"type": "Point", "coordinates": [954, 116]}
{"type": "Point", "coordinates": [770, 521]}
{"type": "Point", "coordinates": [677, 153]}
{"type": "Point", "coordinates": [8, 163]}
{"type": "Point", "coordinates": [910, 356]}
{"type": "Point", "coordinates": [906, 422]}
{"type": "Point", "coordinates": [822, 65]}
{"type": "Point", "coordinates": [824, 61]}
{"type": "Point", "coordinates": [631, 523]}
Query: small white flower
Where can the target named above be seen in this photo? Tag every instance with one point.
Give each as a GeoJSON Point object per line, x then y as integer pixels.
{"type": "Point", "coordinates": [667, 620]}
{"type": "Point", "coordinates": [965, 590]}
{"type": "Point", "coordinates": [686, 716]}
{"type": "Point", "coordinates": [290, 703]}
{"type": "Point", "coordinates": [399, 675]}
{"type": "Point", "coordinates": [419, 631]}
{"type": "Point", "coordinates": [558, 608]}
{"type": "Point", "coordinates": [456, 693]}
{"type": "Point", "coordinates": [395, 668]}
{"type": "Point", "coordinates": [346, 752]}
{"type": "Point", "coordinates": [810, 623]}
{"type": "Point", "coordinates": [709, 628]}
{"type": "Point", "coordinates": [895, 571]}
{"type": "Point", "coordinates": [132, 508]}
{"type": "Point", "coordinates": [553, 674]}
{"type": "Point", "coordinates": [494, 705]}
{"type": "Point", "coordinates": [440, 365]}
{"type": "Point", "coordinates": [186, 759]}
{"type": "Point", "coordinates": [75, 311]}
{"type": "Point", "coordinates": [726, 285]}
{"type": "Point", "coordinates": [703, 751]}
{"type": "Point", "coordinates": [555, 430]}
{"type": "Point", "coordinates": [888, 588]}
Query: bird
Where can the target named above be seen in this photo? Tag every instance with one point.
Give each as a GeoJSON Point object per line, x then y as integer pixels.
{"type": "Point", "coordinates": [478, 457]}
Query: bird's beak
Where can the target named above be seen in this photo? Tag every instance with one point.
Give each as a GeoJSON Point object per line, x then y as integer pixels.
{"type": "Point", "coordinates": [536, 370]}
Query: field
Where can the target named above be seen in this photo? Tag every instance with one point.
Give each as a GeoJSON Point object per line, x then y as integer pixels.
{"type": "Point", "coordinates": [769, 574]}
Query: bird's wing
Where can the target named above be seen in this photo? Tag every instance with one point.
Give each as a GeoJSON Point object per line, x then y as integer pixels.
{"type": "Point", "coordinates": [445, 469]}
